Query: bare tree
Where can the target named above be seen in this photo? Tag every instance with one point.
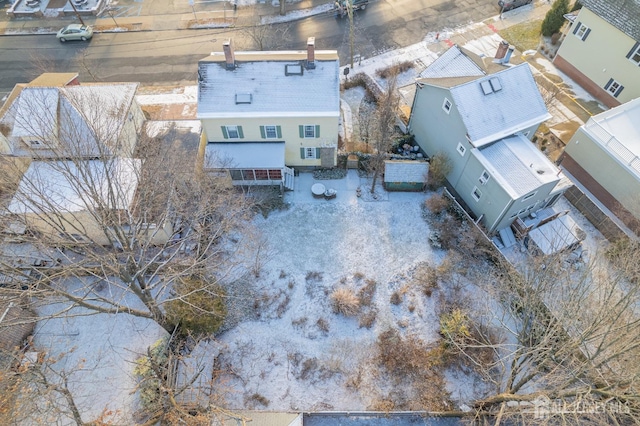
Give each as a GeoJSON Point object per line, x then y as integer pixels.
{"type": "Point", "coordinates": [564, 339]}
{"type": "Point", "coordinates": [384, 123]}
{"type": "Point", "coordinates": [133, 225]}
{"type": "Point", "coordinates": [264, 36]}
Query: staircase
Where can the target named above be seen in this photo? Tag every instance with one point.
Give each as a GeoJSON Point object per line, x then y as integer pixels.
{"type": "Point", "coordinates": [288, 178]}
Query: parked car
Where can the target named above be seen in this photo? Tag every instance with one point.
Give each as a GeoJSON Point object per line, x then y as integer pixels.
{"type": "Point", "coordinates": [341, 6]}
{"type": "Point", "coordinates": [512, 4]}
{"type": "Point", "coordinates": [75, 32]}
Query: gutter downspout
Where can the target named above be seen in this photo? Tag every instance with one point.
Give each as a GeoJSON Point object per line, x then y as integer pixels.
{"type": "Point", "coordinates": [501, 215]}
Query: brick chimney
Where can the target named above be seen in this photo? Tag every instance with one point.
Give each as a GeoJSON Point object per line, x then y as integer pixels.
{"type": "Point", "coordinates": [311, 52]}
{"type": "Point", "coordinates": [502, 49]}
{"type": "Point", "coordinates": [228, 54]}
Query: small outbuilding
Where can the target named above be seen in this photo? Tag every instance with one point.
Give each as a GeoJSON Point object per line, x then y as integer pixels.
{"type": "Point", "coordinates": [405, 175]}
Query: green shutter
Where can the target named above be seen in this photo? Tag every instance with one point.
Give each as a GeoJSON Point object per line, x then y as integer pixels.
{"type": "Point", "coordinates": [278, 132]}
{"type": "Point", "coordinates": [317, 131]}
{"type": "Point", "coordinates": [224, 132]}
{"type": "Point", "coordinates": [262, 132]}
{"type": "Point", "coordinates": [317, 152]}
{"type": "Point", "coordinates": [302, 153]}
{"type": "Point", "coordinates": [301, 130]}
{"type": "Point", "coordinates": [240, 134]}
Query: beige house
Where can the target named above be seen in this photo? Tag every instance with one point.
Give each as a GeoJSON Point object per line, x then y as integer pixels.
{"type": "Point", "coordinates": [73, 201]}
{"type": "Point", "coordinates": [604, 157]}
{"type": "Point", "coordinates": [264, 113]}
{"type": "Point", "coordinates": [54, 116]}
{"type": "Point", "coordinates": [601, 50]}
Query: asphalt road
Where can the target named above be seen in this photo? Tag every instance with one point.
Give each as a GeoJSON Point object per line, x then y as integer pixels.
{"type": "Point", "coordinates": [170, 57]}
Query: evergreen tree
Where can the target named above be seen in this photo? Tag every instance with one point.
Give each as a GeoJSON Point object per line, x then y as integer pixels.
{"type": "Point", "coordinates": [554, 19]}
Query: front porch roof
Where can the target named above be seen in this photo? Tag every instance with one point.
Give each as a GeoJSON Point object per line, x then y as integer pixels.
{"type": "Point", "coordinates": [244, 155]}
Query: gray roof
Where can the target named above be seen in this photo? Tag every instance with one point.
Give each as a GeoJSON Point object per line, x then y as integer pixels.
{"type": "Point", "coordinates": [622, 14]}
{"type": "Point", "coordinates": [518, 165]}
{"type": "Point", "coordinates": [452, 63]}
{"type": "Point", "coordinates": [265, 90]}
{"type": "Point", "coordinates": [515, 106]}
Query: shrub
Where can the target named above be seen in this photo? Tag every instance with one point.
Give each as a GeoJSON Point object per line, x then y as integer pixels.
{"type": "Point", "coordinates": [554, 19]}
{"type": "Point", "coordinates": [149, 384]}
{"type": "Point", "coordinates": [439, 167]}
{"type": "Point", "coordinates": [394, 69]}
{"type": "Point", "coordinates": [426, 277]}
{"type": "Point", "coordinates": [199, 306]}
{"type": "Point", "coordinates": [323, 324]}
{"type": "Point", "coordinates": [396, 299]}
{"type": "Point", "coordinates": [367, 319]}
{"type": "Point", "coordinates": [454, 326]}
{"type": "Point", "coordinates": [344, 301]}
{"type": "Point", "coordinates": [577, 5]}
{"type": "Point", "coordinates": [366, 293]}
{"type": "Point", "coordinates": [437, 204]}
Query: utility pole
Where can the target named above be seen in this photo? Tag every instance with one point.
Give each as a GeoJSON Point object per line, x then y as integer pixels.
{"type": "Point", "coordinates": [73, 6]}
{"type": "Point", "coordinates": [350, 12]}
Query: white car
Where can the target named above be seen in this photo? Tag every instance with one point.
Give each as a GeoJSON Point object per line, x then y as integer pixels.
{"type": "Point", "coordinates": [75, 32]}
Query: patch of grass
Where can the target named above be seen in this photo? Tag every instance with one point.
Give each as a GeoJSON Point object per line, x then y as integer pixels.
{"type": "Point", "coordinates": [367, 319]}
{"type": "Point", "coordinates": [366, 293]}
{"type": "Point", "coordinates": [344, 301]}
{"type": "Point", "coordinates": [525, 36]}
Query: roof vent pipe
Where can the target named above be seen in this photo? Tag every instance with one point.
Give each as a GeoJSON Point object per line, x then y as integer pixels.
{"type": "Point", "coordinates": [229, 57]}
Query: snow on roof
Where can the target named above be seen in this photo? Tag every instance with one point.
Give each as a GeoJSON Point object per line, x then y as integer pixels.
{"type": "Point", "coordinates": [453, 63]}
{"type": "Point", "coordinates": [244, 155]}
{"type": "Point", "coordinates": [36, 112]}
{"type": "Point", "coordinates": [73, 186]}
{"type": "Point", "coordinates": [619, 123]}
{"type": "Point", "coordinates": [622, 14]}
{"type": "Point", "coordinates": [519, 166]}
{"type": "Point", "coordinates": [499, 104]}
{"type": "Point", "coordinates": [557, 235]}
{"type": "Point", "coordinates": [264, 82]}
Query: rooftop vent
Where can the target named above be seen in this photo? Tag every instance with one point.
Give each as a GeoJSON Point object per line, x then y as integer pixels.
{"type": "Point", "coordinates": [486, 87]}
{"type": "Point", "coordinates": [491, 85]}
{"type": "Point", "coordinates": [293, 69]}
{"type": "Point", "coordinates": [243, 98]}
{"type": "Point", "coordinates": [495, 84]}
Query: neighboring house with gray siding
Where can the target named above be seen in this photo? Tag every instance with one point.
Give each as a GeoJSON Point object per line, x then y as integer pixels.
{"type": "Point", "coordinates": [482, 115]}
{"type": "Point", "coordinates": [601, 50]}
{"type": "Point", "coordinates": [604, 156]}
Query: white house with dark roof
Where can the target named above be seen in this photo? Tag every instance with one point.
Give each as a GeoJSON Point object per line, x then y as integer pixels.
{"type": "Point", "coordinates": [54, 116]}
{"type": "Point", "coordinates": [482, 114]}
{"type": "Point", "coordinates": [263, 113]}
{"type": "Point", "coordinates": [601, 50]}
{"type": "Point", "coordinates": [604, 157]}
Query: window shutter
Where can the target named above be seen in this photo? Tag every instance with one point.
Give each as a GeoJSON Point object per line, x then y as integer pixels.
{"type": "Point", "coordinates": [606, 86]}
{"type": "Point", "coordinates": [262, 132]}
{"type": "Point", "coordinates": [240, 134]}
{"type": "Point", "coordinates": [278, 132]}
{"type": "Point", "coordinates": [586, 34]}
{"type": "Point", "coordinates": [317, 131]}
{"type": "Point", "coordinates": [301, 130]}
{"type": "Point", "coordinates": [618, 91]}
{"type": "Point", "coordinates": [224, 132]}
{"type": "Point", "coordinates": [633, 50]}
{"type": "Point", "coordinates": [575, 30]}
{"type": "Point", "coordinates": [317, 152]}
{"type": "Point", "coordinates": [302, 153]}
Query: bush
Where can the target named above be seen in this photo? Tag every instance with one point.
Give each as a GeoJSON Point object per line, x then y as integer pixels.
{"type": "Point", "coordinates": [437, 204]}
{"type": "Point", "coordinates": [554, 19]}
{"type": "Point", "coordinates": [454, 326]}
{"type": "Point", "coordinates": [344, 301]}
{"type": "Point", "coordinates": [198, 307]}
{"type": "Point", "coordinates": [577, 5]}
{"type": "Point", "coordinates": [149, 384]}
{"type": "Point", "coordinates": [439, 167]}
{"type": "Point", "coordinates": [394, 69]}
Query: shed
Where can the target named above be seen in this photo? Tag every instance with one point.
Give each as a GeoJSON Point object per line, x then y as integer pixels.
{"type": "Point", "coordinates": [405, 175]}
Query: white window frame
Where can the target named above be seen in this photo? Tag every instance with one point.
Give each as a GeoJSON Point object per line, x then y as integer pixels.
{"type": "Point", "coordinates": [267, 130]}
{"type": "Point", "coordinates": [476, 193]}
{"type": "Point", "coordinates": [529, 196]}
{"type": "Point", "coordinates": [484, 177]}
{"type": "Point", "coordinates": [613, 87]}
{"type": "Point", "coordinates": [312, 133]}
{"type": "Point", "coordinates": [634, 54]}
{"type": "Point", "coordinates": [461, 149]}
{"type": "Point", "coordinates": [309, 153]}
{"type": "Point", "coordinates": [582, 30]}
{"type": "Point", "coordinates": [446, 105]}
{"type": "Point", "coordinates": [231, 129]}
